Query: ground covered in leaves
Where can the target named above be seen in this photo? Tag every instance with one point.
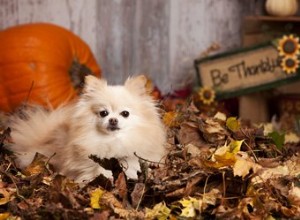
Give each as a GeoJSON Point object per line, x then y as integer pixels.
{"type": "Point", "coordinates": [217, 167]}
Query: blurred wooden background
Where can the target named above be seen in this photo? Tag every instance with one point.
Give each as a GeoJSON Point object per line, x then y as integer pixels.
{"type": "Point", "coordinates": [161, 38]}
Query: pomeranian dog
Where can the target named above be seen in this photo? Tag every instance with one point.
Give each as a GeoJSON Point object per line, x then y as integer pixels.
{"type": "Point", "coordinates": [120, 121]}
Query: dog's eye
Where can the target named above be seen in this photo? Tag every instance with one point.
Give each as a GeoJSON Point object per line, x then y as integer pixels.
{"type": "Point", "coordinates": [103, 113]}
{"type": "Point", "coordinates": [125, 114]}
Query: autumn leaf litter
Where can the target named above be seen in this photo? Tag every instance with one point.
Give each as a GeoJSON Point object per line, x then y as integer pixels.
{"type": "Point", "coordinates": [217, 167]}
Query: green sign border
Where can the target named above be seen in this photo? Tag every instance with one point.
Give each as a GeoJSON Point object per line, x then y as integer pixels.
{"type": "Point", "coordinates": [244, 91]}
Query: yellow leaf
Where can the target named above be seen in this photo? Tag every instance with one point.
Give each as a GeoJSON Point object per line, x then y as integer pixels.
{"type": "Point", "coordinates": [190, 206]}
{"type": "Point", "coordinates": [233, 124]}
{"type": "Point", "coordinates": [5, 196]}
{"type": "Point", "coordinates": [235, 146]}
{"type": "Point", "coordinates": [225, 155]}
{"type": "Point", "coordinates": [95, 198]}
{"type": "Point", "coordinates": [226, 159]}
{"type": "Point", "coordinates": [160, 211]}
{"type": "Point", "coordinates": [270, 217]}
{"type": "Point", "coordinates": [222, 157]}
{"type": "Point", "coordinates": [4, 216]}
{"type": "Point", "coordinates": [222, 150]}
{"type": "Point", "coordinates": [170, 119]}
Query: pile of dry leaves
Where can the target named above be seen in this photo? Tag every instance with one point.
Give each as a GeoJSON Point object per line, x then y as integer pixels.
{"type": "Point", "coordinates": [217, 168]}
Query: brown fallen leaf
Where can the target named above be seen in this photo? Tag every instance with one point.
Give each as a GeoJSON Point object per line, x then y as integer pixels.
{"type": "Point", "coordinates": [103, 215]}
{"type": "Point", "coordinates": [213, 131]}
{"type": "Point", "coordinates": [137, 194]}
{"type": "Point", "coordinates": [5, 196]}
{"type": "Point", "coordinates": [244, 165]}
{"type": "Point", "coordinates": [191, 186]}
{"type": "Point", "coordinates": [189, 134]}
{"type": "Point", "coordinates": [37, 166]}
{"type": "Point", "coordinates": [121, 187]}
{"type": "Point", "coordinates": [26, 204]}
{"type": "Point", "coordinates": [176, 193]}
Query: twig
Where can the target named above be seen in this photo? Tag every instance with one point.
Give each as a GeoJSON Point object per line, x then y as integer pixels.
{"type": "Point", "coordinates": [141, 158]}
{"type": "Point", "coordinates": [256, 160]}
{"type": "Point", "coordinates": [141, 198]}
{"type": "Point", "coordinates": [204, 192]}
{"type": "Point", "coordinates": [224, 187]}
{"type": "Point", "coordinates": [47, 162]}
{"type": "Point", "coordinates": [15, 184]}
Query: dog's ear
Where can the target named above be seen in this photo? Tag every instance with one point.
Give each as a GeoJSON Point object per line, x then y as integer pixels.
{"type": "Point", "coordinates": [92, 83]}
{"type": "Point", "coordinates": [140, 85]}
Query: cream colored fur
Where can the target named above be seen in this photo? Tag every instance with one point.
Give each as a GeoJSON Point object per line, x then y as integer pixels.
{"type": "Point", "coordinates": [75, 131]}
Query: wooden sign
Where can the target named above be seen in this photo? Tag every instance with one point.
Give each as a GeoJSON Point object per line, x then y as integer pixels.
{"type": "Point", "coordinates": [243, 71]}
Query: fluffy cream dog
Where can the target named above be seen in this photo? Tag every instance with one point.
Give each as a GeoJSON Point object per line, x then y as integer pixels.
{"type": "Point", "coordinates": [107, 121]}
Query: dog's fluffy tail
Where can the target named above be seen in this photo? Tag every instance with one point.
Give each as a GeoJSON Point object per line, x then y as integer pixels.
{"type": "Point", "coordinates": [37, 130]}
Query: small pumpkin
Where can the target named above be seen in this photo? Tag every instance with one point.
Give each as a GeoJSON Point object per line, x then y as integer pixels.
{"type": "Point", "coordinates": [282, 8]}
{"type": "Point", "coordinates": [43, 64]}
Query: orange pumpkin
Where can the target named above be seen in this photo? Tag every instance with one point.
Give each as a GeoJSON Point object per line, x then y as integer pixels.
{"type": "Point", "coordinates": [42, 64]}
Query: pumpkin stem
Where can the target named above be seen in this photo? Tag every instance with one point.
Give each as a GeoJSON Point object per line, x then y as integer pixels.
{"type": "Point", "coordinates": [77, 73]}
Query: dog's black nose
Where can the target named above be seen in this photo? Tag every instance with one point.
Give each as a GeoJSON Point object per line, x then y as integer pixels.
{"type": "Point", "coordinates": [113, 121]}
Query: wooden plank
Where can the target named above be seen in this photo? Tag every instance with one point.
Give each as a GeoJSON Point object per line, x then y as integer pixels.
{"type": "Point", "coordinates": [68, 14]}
{"type": "Point", "coordinates": [273, 27]}
{"type": "Point", "coordinates": [197, 24]}
{"type": "Point", "coordinates": [151, 40]}
{"type": "Point", "coordinates": [254, 107]}
{"type": "Point", "coordinates": [8, 11]}
{"type": "Point", "coordinates": [114, 44]}
{"type": "Point", "coordinates": [252, 39]}
{"type": "Point", "coordinates": [274, 18]}
{"type": "Point", "coordinates": [132, 43]}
